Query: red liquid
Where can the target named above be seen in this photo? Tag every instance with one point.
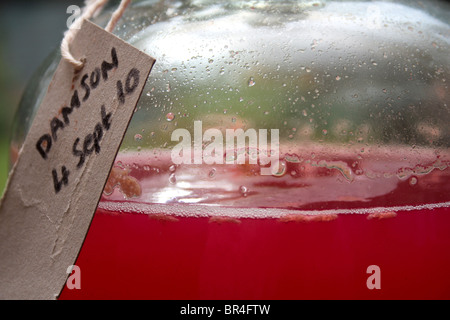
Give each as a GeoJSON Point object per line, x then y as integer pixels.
{"type": "Point", "coordinates": [153, 255]}
{"type": "Point", "coordinates": [132, 256]}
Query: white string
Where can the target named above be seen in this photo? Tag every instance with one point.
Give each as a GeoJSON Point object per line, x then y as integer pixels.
{"type": "Point", "coordinates": [117, 15]}
{"type": "Point", "coordinates": [91, 8]}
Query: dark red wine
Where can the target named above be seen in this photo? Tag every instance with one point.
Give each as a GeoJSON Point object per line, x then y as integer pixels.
{"type": "Point", "coordinates": [319, 250]}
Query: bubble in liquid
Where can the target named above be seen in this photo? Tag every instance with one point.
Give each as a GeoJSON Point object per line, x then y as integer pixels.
{"type": "Point", "coordinates": [170, 116]}
{"type": "Point", "coordinates": [413, 181]}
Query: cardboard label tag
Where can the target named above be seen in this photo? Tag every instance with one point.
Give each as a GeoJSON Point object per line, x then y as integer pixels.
{"type": "Point", "coordinates": [56, 184]}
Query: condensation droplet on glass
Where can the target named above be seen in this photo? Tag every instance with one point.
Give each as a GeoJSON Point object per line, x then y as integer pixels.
{"type": "Point", "coordinates": [282, 167]}
{"type": "Point", "coordinates": [243, 190]}
{"type": "Point", "coordinates": [172, 168]}
{"type": "Point", "coordinates": [137, 137]}
{"type": "Point", "coordinates": [172, 178]}
{"type": "Point", "coordinates": [170, 116]}
{"type": "Point", "coordinates": [212, 173]}
{"type": "Point", "coordinates": [338, 78]}
{"type": "Point", "coordinates": [251, 82]}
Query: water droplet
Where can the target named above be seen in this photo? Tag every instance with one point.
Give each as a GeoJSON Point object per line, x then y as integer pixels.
{"type": "Point", "coordinates": [251, 82]}
{"type": "Point", "coordinates": [146, 167]}
{"type": "Point", "coordinates": [338, 78]}
{"type": "Point", "coordinates": [170, 116]}
{"type": "Point", "coordinates": [137, 137]}
{"type": "Point", "coordinates": [212, 173]}
{"type": "Point", "coordinates": [281, 169]}
{"type": "Point", "coordinates": [243, 190]}
{"type": "Point", "coordinates": [324, 132]}
{"type": "Point", "coordinates": [172, 178]}
{"type": "Point", "coordinates": [413, 181]}
{"type": "Point", "coordinates": [172, 168]}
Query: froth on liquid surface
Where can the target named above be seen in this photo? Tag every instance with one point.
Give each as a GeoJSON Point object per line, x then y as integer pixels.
{"type": "Point", "coordinates": [309, 181]}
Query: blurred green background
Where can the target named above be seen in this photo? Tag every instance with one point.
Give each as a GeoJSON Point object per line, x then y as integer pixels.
{"type": "Point", "coordinates": [30, 30]}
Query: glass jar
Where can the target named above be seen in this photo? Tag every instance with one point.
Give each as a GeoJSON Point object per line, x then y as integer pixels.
{"type": "Point", "coordinates": [280, 150]}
